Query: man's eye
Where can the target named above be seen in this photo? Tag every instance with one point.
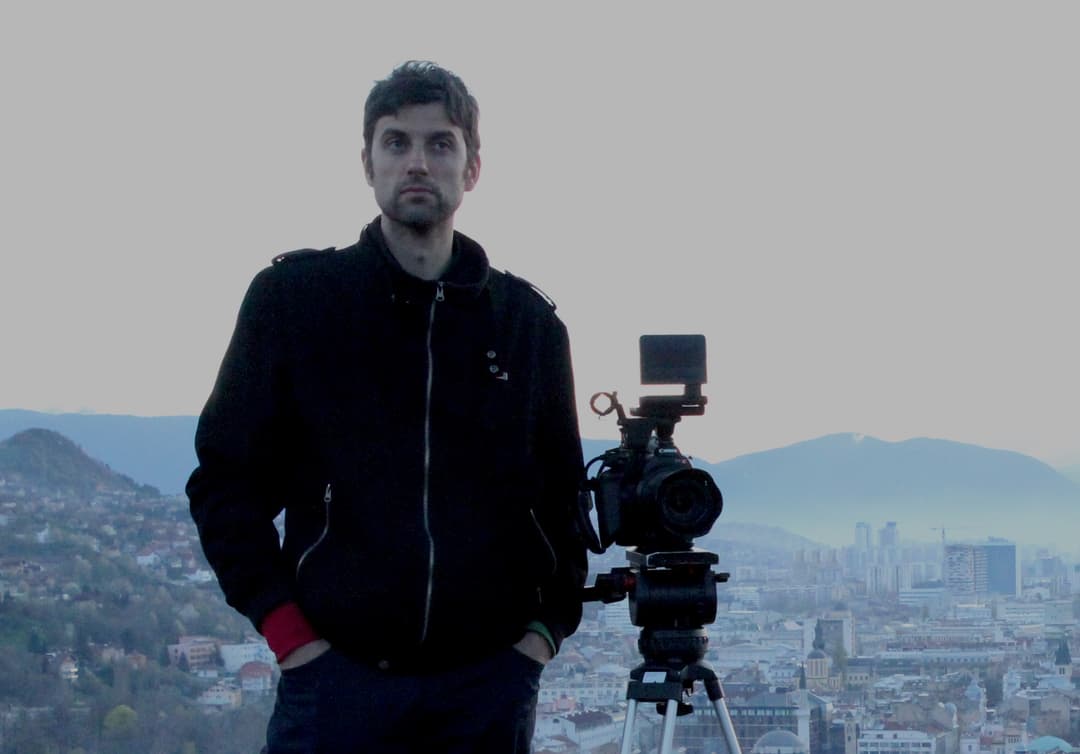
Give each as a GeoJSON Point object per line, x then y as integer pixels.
{"type": "Point", "coordinates": [395, 144]}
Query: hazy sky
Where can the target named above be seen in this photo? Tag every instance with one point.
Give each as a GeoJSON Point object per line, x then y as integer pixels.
{"type": "Point", "coordinates": [870, 209]}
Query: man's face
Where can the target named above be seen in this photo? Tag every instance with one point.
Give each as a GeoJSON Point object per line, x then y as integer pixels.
{"type": "Point", "coordinates": [418, 167]}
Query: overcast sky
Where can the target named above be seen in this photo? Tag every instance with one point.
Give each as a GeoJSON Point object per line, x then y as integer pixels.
{"type": "Point", "coordinates": [870, 209]}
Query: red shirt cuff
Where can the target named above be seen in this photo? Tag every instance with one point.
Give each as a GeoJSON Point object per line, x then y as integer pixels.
{"type": "Point", "coordinates": [286, 629]}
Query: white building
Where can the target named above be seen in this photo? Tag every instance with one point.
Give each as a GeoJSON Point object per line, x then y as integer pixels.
{"type": "Point", "coordinates": [603, 688]}
{"type": "Point", "coordinates": [221, 695]}
{"type": "Point", "coordinates": [879, 741]}
{"type": "Point", "coordinates": [235, 656]}
{"type": "Point", "coordinates": [615, 616]}
{"type": "Point", "coordinates": [256, 678]}
{"type": "Point", "coordinates": [1022, 613]}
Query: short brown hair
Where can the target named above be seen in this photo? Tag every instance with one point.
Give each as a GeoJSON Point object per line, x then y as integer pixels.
{"type": "Point", "coordinates": [420, 82]}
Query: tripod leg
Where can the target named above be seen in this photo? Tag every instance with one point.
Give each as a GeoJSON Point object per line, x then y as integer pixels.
{"type": "Point", "coordinates": [722, 714]}
{"type": "Point", "coordinates": [667, 741]}
{"type": "Point", "coordinates": [628, 726]}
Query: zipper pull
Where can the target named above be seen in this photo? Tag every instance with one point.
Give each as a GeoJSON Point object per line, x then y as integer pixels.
{"type": "Point", "coordinates": [327, 495]}
{"type": "Point", "coordinates": [439, 295]}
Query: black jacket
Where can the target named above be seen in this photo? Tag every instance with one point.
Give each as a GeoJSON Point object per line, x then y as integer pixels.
{"type": "Point", "coordinates": [423, 442]}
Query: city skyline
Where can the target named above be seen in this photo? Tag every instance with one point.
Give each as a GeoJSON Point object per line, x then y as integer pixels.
{"type": "Point", "coordinates": [816, 644]}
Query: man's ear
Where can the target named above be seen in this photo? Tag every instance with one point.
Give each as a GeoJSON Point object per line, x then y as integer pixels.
{"type": "Point", "coordinates": [472, 173]}
{"type": "Point", "coordinates": [366, 159]}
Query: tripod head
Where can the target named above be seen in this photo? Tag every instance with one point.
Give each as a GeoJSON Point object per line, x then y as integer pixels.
{"type": "Point", "coordinates": [672, 597]}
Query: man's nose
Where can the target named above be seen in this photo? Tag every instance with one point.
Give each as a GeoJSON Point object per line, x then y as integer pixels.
{"type": "Point", "coordinates": [417, 160]}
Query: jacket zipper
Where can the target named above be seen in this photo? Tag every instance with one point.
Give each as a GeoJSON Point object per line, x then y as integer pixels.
{"type": "Point", "coordinates": [547, 542]}
{"type": "Point", "coordinates": [327, 497]}
{"type": "Point", "coordinates": [439, 297]}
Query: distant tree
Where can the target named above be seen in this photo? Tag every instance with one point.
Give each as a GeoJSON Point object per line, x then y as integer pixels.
{"type": "Point", "coordinates": [24, 733]}
{"type": "Point", "coordinates": [82, 643]}
{"type": "Point", "coordinates": [65, 728]}
{"type": "Point", "coordinates": [120, 722]}
{"type": "Point", "coordinates": [35, 644]}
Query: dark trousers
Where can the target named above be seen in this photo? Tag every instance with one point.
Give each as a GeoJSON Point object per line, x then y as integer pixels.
{"type": "Point", "coordinates": [334, 704]}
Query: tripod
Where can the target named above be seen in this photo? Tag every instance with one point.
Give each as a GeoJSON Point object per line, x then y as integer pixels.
{"type": "Point", "coordinates": [667, 681]}
{"type": "Point", "coordinates": [672, 596]}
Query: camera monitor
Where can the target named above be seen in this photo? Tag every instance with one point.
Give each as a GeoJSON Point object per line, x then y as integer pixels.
{"type": "Point", "coordinates": [672, 359]}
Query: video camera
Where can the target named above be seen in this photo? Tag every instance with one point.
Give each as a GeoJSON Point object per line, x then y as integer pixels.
{"type": "Point", "coordinates": [647, 494]}
{"type": "Point", "coordinates": [651, 500]}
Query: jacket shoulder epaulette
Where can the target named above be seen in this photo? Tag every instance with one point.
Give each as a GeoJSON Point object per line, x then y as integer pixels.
{"type": "Point", "coordinates": [514, 280]}
{"type": "Point", "coordinates": [290, 256]}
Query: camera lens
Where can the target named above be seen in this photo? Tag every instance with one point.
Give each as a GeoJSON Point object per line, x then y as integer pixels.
{"type": "Point", "coordinates": [687, 501]}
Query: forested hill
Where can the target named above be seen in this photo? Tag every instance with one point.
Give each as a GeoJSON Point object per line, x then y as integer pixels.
{"type": "Point", "coordinates": [46, 460]}
{"type": "Point", "coordinates": [155, 450]}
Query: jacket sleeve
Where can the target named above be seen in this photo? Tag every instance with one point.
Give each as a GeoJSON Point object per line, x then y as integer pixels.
{"type": "Point", "coordinates": [232, 494]}
{"type": "Point", "coordinates": [559, 445]}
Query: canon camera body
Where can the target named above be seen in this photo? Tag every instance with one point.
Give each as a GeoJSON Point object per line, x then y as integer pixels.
{"type": "Point", "coordinates": [647, 494]}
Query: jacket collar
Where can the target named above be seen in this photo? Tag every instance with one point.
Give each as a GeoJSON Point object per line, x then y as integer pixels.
{"type": "Point", "coordinates": [465, 278]}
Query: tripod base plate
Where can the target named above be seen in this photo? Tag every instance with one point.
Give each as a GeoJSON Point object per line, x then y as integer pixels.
{"type": "Point", "coordinates": [651, 691]}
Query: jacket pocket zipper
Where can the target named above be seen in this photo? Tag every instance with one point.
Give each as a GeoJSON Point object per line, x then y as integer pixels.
{"type": "Point", "coordinates": [327, 497]}
{"type": "Point", "coordinates": [546, 541]}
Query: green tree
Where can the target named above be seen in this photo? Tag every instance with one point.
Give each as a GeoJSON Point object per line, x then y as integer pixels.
{"type": "Point", "coordinates": [128, 640]}
{"type": "Point", "coordinates": [120, 722]}
{"type": "Point", "coordinates": [35, 644]}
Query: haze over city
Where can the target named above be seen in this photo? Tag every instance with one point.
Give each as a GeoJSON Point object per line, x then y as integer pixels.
{"type": "Point", "coordinates": [868, 209]}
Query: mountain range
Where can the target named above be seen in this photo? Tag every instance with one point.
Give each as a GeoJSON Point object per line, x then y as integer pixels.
{"type": "Point", "coordinates": [816, 490]}
{"type": "Point", "coordinates": [820, 488]}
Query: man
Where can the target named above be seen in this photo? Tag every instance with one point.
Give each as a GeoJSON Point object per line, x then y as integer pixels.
{"type": "Point", "coordinates": [412, 411]}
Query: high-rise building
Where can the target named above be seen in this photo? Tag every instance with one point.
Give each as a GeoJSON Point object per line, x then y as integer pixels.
{"type": "Point", "coordinates": [982, 569]}
{"type": "Point", "coordinates": [862, 537]}
{"type": "Point", "coordinates": [889, 536]}
{"type": "Point", "coordinates": [960, 569]}
{"type": "Point", "coordinates": [838, 631]}
{"type": "Point", "coordinates": [1002, 568]}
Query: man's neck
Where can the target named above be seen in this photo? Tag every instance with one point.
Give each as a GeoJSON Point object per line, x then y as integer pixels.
{"type": "Point", "coordinates": [423, 254]}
